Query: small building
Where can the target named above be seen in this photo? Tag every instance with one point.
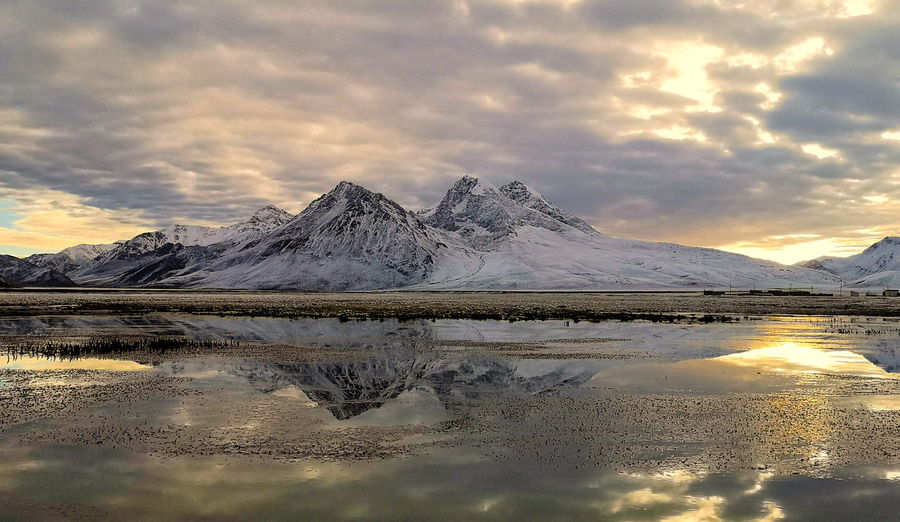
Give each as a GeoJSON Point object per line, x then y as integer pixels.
{"type": "Point", "coordinates": [891, 293]}
{"type": "Point", "coordinates": [854, 293]}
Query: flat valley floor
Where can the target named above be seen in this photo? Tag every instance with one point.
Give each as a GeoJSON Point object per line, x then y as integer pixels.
{"type": "Point", "coordinates": [161, 405]}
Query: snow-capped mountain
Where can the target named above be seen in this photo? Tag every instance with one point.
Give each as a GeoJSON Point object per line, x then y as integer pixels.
{"type": "Point", "coordinates": [348, 239]}
{"type": "Point", "coordinates": [71, 258]}
{"type": "Point", "coordinates": [153, 257]}
{"type": "Point", "coordinates": [875, 267]}
{"type": "Point", "coordinates": [525, 242]}
{"type": "Point", "coordinates": [529, 198]}
{"type": "Point", "coordinates": [261, 223]}
{"type": "Point", "coordinates": [483, 216]}
{"type": "Point", "coordinates": [478, 237]}
{"type": "Point", "coordinates": [21, 272]}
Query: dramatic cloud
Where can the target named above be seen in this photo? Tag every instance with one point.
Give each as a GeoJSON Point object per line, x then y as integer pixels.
{"type": "Point", "coordinates": [755, 126]}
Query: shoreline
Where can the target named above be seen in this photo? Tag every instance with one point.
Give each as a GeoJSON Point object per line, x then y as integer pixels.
{"type": "Point", "coordinates": [408, 305]}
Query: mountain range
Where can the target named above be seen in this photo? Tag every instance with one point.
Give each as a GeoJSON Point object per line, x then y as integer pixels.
{"type": "Point", "coordinates": [477, 237]}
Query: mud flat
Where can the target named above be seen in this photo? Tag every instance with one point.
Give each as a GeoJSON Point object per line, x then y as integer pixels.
{"type": "Point", "coordinates": [753, 418]}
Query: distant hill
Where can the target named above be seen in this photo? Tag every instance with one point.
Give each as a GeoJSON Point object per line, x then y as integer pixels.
{"type": "Point", "coordinates": [876, 267]}
{"type": "Point", "coordinates": [23, 273]}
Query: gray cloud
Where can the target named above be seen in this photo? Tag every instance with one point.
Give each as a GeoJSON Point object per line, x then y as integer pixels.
{"type": "Point", "coordinates": [622, 14]}
{"type": "Point", "coordinates": [205, 110]}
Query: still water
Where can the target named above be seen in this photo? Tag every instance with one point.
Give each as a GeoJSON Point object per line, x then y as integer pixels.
{"type": "Point", "coordinates": [766, 418]}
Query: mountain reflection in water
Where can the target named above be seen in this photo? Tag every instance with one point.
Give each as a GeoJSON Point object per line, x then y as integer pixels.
{"type": "Point", "coordinates": [348, 389]}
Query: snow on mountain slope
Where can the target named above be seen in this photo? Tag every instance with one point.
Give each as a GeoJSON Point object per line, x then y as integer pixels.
{"type": "Point", "coordinates": [262, 222]}
{"type": "Point", "coordinates": [483, 216]}
{"type": "Point", "coordinates": [348, 239]}
{"type": "Point", "coordinates": [536, 258]}
{"type": "Point", "coordinates": [151, 268]}
{"type": "Point", "coordinates": [529, 198]}
{"type": "Point", "coordinates": [528, 243]}
{"type": "Point", "coordinates": [875, 267]}
{"type": "Point", "coordinates": [71, 258]}
{"type": "Point", "coordinates": [475, 211]}
{"type": "Point", "coordinates": [152, 257]}
{"type": "Point", "coordinates": [21, 272]}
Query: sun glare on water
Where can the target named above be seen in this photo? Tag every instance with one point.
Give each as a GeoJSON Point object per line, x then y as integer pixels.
{"type": "Point", "coordinates": [41, 363]}
{"type": "Point", "coordinates": [792, 357]}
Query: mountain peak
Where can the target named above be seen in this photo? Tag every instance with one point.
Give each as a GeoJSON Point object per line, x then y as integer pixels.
{"type": "Point", "coordinates": [521, 193]}
{"type": "Point", "coordinates": [482, 214]}
{"type": "Point", "coordinates": [353, 198]}
{"type": "Point", "coordinates": [530, 198]}
{"type": "Point", "coordinates": [469, 185]}
{"type": "Point", "coordinates": [345, 203]}
{"type": "Point", "coordinates": [876, 266]}
{"type": "Point", "coordinates": [348, 189]}
{"type": "Point", "coordinates": [515, 186]}
{"type": "Point", "coordinates": [353, 238]}
{"type": "Point", "coordinates": [345, 185]}
{"type": "Point", "coordinates": [270, 214]}
{"type": "Point", "coordinates": [888, 242]}
{"type": "Point", "coordinates": [474, 205]}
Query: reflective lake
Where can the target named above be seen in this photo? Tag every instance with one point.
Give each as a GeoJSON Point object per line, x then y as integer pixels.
{"type": "Point", "coordinates": [762, 418]}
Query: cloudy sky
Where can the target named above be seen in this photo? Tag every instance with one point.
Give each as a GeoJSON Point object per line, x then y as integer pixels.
{"type": "Point", "coordinates": [768, 127]}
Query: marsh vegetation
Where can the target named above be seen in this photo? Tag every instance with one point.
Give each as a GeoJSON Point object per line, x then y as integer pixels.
{"type": "Point", "coordinates": [110, 346]}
